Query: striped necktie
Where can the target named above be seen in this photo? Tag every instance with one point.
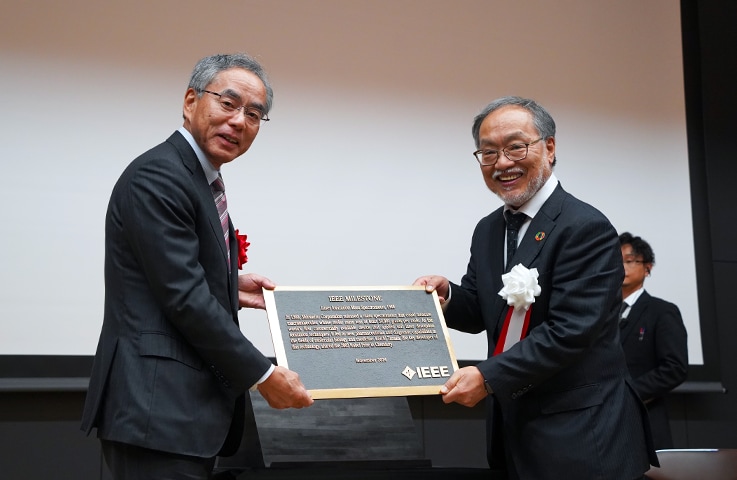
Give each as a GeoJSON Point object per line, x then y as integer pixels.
{"type": "Point", "coordinates": [218, 192]}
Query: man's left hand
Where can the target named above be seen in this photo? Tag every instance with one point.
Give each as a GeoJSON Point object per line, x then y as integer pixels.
{"type": "Point", "coordinates": [250, 293]}
{"type": "Point", "coordinates": [465, 387]}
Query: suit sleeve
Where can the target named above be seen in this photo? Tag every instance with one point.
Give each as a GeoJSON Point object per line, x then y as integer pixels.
{"type": "Point", "coordinates": [464, 312]}
{"type": "Point", "coordinates": [163, 225]}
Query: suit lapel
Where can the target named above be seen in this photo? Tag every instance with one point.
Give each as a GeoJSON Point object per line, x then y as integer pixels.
{"type": "Point", "coordinates": [632, 322]}
{"type": "Point", "coordinates": [538, 233]}
{"type": "Point", "coordinates": [204, 192]}
{"type": "Point", "coordinates": [532, 243]}
{"type": "Point", "coordinates": [540, 229]}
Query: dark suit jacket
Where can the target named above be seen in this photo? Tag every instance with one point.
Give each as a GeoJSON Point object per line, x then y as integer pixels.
{"type": "Point", "coordinates": [562, 406]}
{"type": "Point", "coordinates": [172, 365]}
{"type": "Point", "coordinates": [654, 341]}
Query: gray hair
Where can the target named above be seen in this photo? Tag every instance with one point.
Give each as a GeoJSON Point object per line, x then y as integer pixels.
{"type": "Point", "coordinates": [540, 117]}
{"type": "Point", "coordinates": [209, 67]}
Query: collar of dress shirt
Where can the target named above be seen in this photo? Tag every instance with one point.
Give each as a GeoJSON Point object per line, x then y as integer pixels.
{"type": "Point", "coordinates": [210, 173]}
{"type": "Point", "coordinates": [631, 299]}
{"type": "Point", "coordinates": [534, 204]}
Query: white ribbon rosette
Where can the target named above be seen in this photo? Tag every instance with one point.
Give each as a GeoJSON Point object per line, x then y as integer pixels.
{"type": "Point", "coordinates": [520, 290]}
{"type": "Point", "coordinates": [520, 286]}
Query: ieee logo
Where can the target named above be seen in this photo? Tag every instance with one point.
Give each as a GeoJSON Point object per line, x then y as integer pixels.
{"type": "Point", "coordinates": [426, 372]}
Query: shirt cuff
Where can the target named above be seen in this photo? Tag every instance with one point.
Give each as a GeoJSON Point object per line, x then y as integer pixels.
{"type": "Point", "coordinates": [263, 378]}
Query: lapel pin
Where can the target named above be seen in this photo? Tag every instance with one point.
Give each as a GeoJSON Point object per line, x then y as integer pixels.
{"type": "Point", "coordinates": [539, 236]}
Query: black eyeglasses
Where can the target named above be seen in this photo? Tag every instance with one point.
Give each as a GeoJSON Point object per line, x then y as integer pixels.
{"type": "Point", "coordinates": [514, 152]}
{"type": "Point", "coordinates": [254, 116]}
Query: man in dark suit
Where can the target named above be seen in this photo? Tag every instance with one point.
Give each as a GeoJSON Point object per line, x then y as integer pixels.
{"type": "Point", "coordinates": [172, 369]}
{"type": "Point", "coordinates": [560, 404]}
{"type": "Point", "coordinates": [653, 337]}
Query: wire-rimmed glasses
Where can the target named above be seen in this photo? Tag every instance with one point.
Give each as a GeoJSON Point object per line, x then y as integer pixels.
{"type": "Point", "coordinates": [514, 152]}
{"type": "Point", "coordinates": [254, 116]}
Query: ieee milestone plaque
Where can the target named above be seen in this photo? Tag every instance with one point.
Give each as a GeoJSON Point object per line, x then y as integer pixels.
{"type": "Point", "coordinates": [351, 342]}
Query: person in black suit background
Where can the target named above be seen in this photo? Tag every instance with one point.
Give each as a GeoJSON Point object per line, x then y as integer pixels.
{"type": "Point", "coordinates": [169, 381]}
{"type": "Point", "coordinates": [559, 400]}
{"type": "Point", "coordinates": [653, 337]}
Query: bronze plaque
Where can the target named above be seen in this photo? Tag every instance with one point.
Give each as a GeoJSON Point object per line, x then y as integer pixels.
{"type": "Point", "coordinates": [351, 342]}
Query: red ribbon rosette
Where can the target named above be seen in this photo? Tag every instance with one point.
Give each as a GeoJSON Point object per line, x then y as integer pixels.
{"type": "Point", "coordinates": [243, 245]}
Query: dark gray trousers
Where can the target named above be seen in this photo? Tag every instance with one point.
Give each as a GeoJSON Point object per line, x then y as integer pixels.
{"type": "Point", "coordinates": [129, 462]}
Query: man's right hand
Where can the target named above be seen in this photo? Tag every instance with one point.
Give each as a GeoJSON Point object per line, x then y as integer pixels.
{"type": "Point", "coordinates": [283, 389]}
{"type": "Point", "coordinates": [437, 283]}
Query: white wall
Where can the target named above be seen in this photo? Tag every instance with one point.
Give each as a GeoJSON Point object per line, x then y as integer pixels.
{"type": "Point", "coordinates": [365, 175]}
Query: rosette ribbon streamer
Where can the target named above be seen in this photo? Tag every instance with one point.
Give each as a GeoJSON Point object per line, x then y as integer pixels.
{"type": "Point", "coordinates": [520, 290]}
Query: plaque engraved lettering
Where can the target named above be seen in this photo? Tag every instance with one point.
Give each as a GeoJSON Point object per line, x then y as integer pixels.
{"type": "Point", "coordinates": [349, 342]}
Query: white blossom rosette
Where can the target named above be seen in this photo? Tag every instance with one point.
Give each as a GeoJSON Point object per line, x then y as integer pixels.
{"type": "Point", "coordinates": [520, 287]}
{"type": "Point", "coordinates": [520, 290]}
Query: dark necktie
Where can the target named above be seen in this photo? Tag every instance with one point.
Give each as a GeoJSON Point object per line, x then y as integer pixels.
{"type": "Point", "coordinates": [514, 222]}
{"type": "Point", "coordinates": [622, 309]}
{"type": "Point", "coordinates": [218, 192]}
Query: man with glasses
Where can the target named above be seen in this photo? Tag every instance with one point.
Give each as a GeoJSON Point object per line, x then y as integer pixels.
{"type": "Point", "coordinates": [171, 375]}
{"type": "Point", "coordinates": [560, 403]}
{"type": "Point", "coordinates": [653, 337]}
